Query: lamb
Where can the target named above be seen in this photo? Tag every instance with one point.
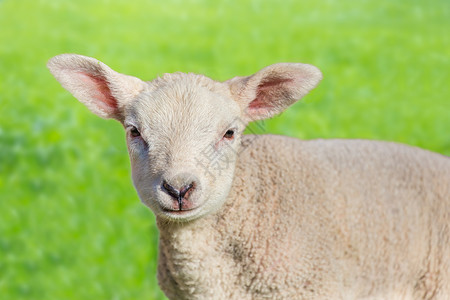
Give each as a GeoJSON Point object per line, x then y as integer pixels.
{"type": "Point", "coordinates": [271, 217]}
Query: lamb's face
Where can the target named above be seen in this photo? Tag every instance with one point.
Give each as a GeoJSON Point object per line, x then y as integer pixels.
{"type": "Point", "coordinates": [183, 139]}
{"type": "Point", "coordinates": [183, 131]}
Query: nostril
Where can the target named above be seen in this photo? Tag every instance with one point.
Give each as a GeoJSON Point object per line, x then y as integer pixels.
{"type": "Point", "coordinates": [185, 189]}
{"type": "Point", "coordinates": [170, 190]}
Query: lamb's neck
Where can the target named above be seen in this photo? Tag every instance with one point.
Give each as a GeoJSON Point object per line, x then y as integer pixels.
{"type": "Point", "coordinates": [190, 262]}
{"type": "Point", "coordinates": [186, 235]}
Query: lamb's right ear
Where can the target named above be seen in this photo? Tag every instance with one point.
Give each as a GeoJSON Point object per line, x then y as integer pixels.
{"type": "Point", "coordinates": [104, 91]}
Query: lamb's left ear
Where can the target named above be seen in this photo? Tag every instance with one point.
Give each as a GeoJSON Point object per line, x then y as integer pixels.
{"type": "Point", "coordinates": [104, 91]}
{"type": "Point", "coordinates": [273, 89]}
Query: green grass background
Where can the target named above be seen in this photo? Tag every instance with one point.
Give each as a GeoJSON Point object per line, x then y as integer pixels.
{"type": "Point", "coordinates": [71, 224]}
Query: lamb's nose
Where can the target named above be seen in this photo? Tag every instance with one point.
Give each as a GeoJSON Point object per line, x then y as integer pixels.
{"type": "Point", "coordinates": [178, 189]}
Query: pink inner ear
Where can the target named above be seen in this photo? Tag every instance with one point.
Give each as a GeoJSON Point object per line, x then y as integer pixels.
{"type": "Point", "coordinates": [102, 87]}
{"type": "Point", "coordinates": [268, 92]}
{"type": "Point", "coordinates": [98, 89]}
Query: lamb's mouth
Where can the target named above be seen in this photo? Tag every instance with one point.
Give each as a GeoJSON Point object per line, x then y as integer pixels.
{"type": "Point", "coordinates": [177, 212]}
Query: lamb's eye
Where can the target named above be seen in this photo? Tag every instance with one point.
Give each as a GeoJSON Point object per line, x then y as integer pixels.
{"type": "Point", "coordinates": [229, 134]}
{"type": "Point", "coordinates": [134, 132]}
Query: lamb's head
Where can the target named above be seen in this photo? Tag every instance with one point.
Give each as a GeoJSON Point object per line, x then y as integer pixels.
{"type": "Point", "coordinates": [183, 130]}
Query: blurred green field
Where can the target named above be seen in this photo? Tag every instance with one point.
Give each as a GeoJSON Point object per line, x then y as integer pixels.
{"type": "Point", "coordinates": [71, 224]}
